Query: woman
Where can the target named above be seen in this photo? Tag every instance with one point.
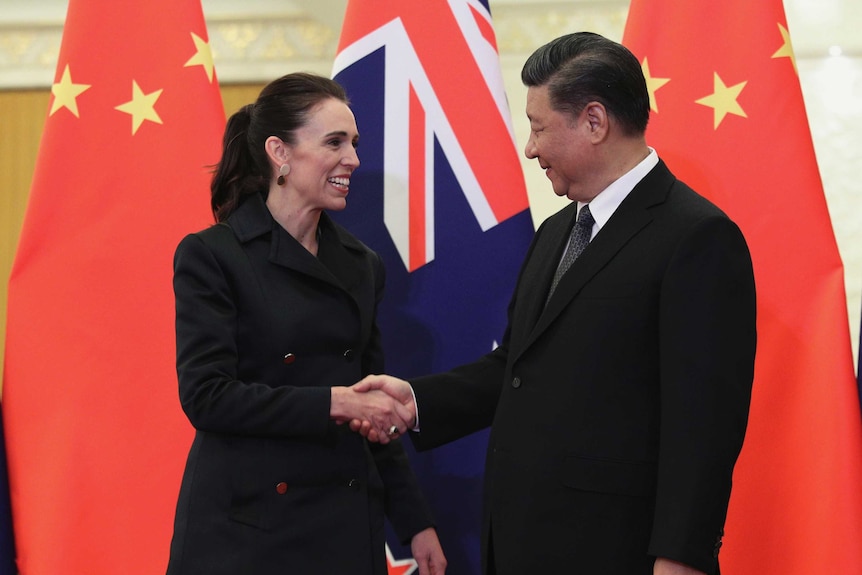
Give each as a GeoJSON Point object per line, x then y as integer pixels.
{"type": "Point", "coordinates": [276, 309]}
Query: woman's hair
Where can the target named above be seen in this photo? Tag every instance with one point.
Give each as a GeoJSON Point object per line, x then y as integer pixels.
{"type": "Point", "coordinates": [281, 108]}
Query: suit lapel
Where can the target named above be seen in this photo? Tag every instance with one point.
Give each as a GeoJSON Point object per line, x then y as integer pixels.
{"type": "Point", "coordinates": [631, 216]}
{"type": "Point", "coordinates": [541, 264]}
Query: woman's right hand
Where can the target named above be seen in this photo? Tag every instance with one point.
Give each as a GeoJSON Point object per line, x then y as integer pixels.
{"type": "Point", "coordinates": [383, 413]}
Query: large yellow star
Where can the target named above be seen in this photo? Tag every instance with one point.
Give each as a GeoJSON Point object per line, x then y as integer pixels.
{"type": "Point", "coordinates": [203, 56]}
{"type": "Point", "coordinates": [65, 93]}
{"type": "Point", "coordinates": [652, 85]}
{"type": "Point", "coordinates": [786, 50]}
{"type": "Point", "coordinates": [723, 100]}
{"type": "Point", "coordinates": [141, 107]}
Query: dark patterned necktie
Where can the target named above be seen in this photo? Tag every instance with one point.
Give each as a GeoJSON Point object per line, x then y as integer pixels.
{"type": "Point", "coordinates": [578, 240]}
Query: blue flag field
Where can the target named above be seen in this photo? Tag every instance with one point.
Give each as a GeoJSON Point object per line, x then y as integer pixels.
{"type": "Point", "coordinates": [441, 197]}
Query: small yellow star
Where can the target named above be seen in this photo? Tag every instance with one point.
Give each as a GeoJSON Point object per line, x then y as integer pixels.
{"type": "Point", "coordinates": [786, 50]}
{"type": "Point", "coordinates": [723, 100]}
{"type": "Point", "coordinates": [141, 107]}
{"type": "Point", "coordinates": [203, 56]}
{"type": "Point", "coordinates": [65, 93]}
{"type": "Point", "coordinates": [652, 85]}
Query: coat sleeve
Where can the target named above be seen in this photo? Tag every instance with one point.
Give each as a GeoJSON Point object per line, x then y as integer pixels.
{"type": "Point", "coordinates": [707, 340]}
{"type": "Point", "coordinates": [211, 392]}
{"type": "Point", "coordinates": [404, 504]}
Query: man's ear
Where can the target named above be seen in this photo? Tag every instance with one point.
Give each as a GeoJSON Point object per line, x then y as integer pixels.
{"type": "Point", "coordinates": [597, 116]}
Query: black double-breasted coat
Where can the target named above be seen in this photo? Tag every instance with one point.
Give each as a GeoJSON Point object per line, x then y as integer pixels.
{"type": "Point", "coordinates": [264, 330]}
{"type": "Point", "coordinates": [617, 412]}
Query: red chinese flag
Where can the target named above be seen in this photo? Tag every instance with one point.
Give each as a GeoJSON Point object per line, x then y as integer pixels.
{"type": "Point", "coordinates": [728, 117]}
{"type": "Point", "coordinates": [96, 437]}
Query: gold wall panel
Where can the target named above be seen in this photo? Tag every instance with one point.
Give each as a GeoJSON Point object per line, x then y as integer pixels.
{"type": "Point", "coordinates": [22, 118]}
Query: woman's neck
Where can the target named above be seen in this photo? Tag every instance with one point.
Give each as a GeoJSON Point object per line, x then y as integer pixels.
{"type": "Point", "coordinates": [301, 224]}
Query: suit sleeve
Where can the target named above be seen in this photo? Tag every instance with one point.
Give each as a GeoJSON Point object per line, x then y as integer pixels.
{"type": "Point", "coordinates": [707, 340]}
{"type": "Point", "coordinates": [459, 402]}
{"type": "Point", "coordinates": [464, 400]}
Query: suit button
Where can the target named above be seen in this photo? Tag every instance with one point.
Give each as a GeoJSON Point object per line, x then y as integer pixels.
{"type": "Point", "coordinates": [281, 488]}
{"type": "Point", "coordinates": [289, 358]}
{"type": "Point", "coordinates": [353, 484]}
{"type": "Point", "coordinates": [349, 355]}
{"type": "Point", "coordinates": [516, 382]}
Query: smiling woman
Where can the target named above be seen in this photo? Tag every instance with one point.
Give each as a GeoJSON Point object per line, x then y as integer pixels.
{"type": "Point", "coordinates": [275, 317]}
{"type": "Point", "coordinates": [315, 168]}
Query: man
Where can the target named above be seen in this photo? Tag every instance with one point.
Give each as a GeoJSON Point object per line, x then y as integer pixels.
{"type": "Point", "coordinates": [618, 402]}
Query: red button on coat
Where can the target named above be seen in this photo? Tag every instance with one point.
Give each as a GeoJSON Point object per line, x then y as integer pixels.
{"type": "Point", "coordinates": [289, 358]}
{"type": "Point", "coordinates": [281, 488]}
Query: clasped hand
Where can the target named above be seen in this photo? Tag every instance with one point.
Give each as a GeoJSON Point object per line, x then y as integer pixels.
{"type": "Point", "coordinates": [380, 407]}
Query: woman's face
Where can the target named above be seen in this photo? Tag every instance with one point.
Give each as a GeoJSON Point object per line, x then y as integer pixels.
{"type": "Point", "coordinates": [324, 156]}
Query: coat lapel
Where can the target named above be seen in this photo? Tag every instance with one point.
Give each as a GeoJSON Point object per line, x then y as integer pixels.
{"type": "Point", "coordinates": [341, 260]}
{"type": "Point", "coordinates": [346, 258]}
{"type": "Point", "coordinates": [252, 220]}
{"type": "Point", "coordinates": [343, 256]}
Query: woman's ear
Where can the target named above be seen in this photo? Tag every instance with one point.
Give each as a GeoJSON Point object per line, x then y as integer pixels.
{"type": "Point", "coordinates": [277, 151]}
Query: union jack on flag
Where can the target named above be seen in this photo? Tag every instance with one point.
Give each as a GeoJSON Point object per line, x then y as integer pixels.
{"type": "Point", "coordinates": [442, 83]}
{"type": "Point", "coordinates": [440, 195]}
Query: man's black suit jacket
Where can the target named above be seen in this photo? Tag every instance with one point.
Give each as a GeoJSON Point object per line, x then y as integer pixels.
{"type": "Point", "coordinates": [617, 411]}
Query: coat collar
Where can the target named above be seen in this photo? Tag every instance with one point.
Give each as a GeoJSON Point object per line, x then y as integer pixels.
{"type": "Point", "coordinates": [339, 253]}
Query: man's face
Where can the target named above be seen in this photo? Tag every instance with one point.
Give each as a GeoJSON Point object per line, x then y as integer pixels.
{"type": "Point", "coordinates": [561, 144]}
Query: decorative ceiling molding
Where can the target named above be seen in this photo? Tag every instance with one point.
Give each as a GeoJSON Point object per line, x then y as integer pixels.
{"type": "Point", "coordinates": [260, 46]}
{"type": "Point", "coordinates": [273, 37]}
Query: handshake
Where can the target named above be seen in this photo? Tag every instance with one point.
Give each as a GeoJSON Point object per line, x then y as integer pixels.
{"type": "Point", "coordinates": [380, 407]}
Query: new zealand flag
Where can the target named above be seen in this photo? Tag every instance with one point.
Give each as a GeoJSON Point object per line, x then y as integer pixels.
{"type": "Point", "coordinates": [440, 195]}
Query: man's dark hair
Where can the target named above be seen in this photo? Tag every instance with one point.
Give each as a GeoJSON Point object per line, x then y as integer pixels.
{"type": "Point", "coordinates": [585, 67]}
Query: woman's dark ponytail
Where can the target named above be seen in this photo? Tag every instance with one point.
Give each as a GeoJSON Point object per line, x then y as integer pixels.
{"type": "Point", "coordinates": [235, 175]}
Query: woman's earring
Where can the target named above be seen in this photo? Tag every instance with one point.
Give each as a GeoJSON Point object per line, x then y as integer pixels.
{"type": "Point", "coordinates": [282, 172]}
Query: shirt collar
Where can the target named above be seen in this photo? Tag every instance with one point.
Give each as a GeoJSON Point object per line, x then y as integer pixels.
{"type": "Point", "coordinates": [608, 200]}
